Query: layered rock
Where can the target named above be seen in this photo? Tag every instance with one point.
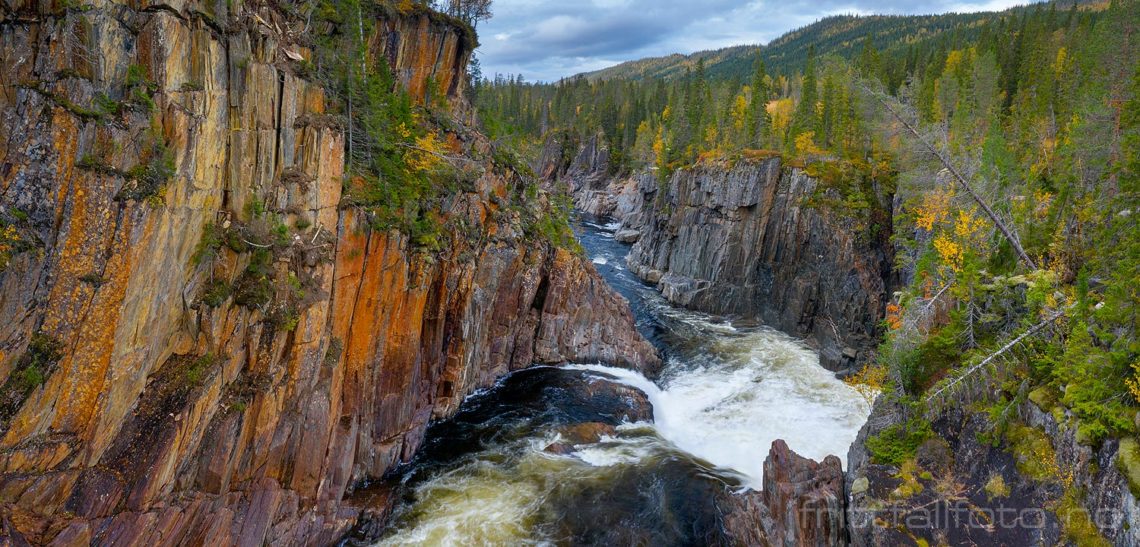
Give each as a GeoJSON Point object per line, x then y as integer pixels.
{"type": "Point", "coordinates": [744, 240]}
{"type": "Point", "coordinates": [581, 169]}
{"type": "Point", "coordinates": [749, 239]}
{"type": "Point", "coordinates": [169, 413]}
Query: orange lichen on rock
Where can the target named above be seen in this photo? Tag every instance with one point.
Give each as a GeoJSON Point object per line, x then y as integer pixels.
{"type": "Point", "coordinates": [175, 418]}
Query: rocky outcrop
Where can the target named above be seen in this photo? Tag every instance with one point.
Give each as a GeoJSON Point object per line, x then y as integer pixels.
{"type": "Point", "coordinates": [801, 503]}
{"type": "Point", "coordinates": [581, 169]}
{"type": "Point", "coordinates": [1032, 484]}
{"type": "Point", "coordinates": [154, 396]}
{"type": "Point", "coordinates": [747, 240]}
{"type": "Point", "coordinates": [1105, 476]}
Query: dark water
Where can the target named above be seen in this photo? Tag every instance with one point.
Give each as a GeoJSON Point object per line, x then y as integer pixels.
{"type": "Point", "coordinates": [492, 474]}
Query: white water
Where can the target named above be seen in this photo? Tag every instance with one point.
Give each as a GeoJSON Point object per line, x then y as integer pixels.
{"type": "Point", "coordinates": [723, 398]}
{"type": "Point", "coordinates": [765, 386]}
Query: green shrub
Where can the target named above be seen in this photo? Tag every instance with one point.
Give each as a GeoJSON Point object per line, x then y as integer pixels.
{"type": "Point", "coordinates": [1093, 383]}
{"type": "Point", "coordinates": [209, 245]}
{"type": "Point", "coordinates": [215, 293]}
{"type": "Point", "coordinates": [898, 443]}
{"type": "Point", "coordinates": [148, 178]}
{"type": "Point", "coordinates": [199, 368]}
{"type": "Point", "coordinates": [1033, 452]}
{"type": "Point", "coordinates": [920, 367]}
{"type": "Point", "coordinates": [996, 487]}
{"type": "Point", "coordinates": [254, 289]}
{"type": "Point", "coordinates": [93, 279]}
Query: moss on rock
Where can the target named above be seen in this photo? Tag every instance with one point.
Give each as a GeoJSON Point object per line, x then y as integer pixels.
{"type": "Point", "coordinates": [1128, 462]}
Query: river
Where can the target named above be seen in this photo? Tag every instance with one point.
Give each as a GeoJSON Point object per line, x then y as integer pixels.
{"type": "Point", "coordinates": [728, 389]}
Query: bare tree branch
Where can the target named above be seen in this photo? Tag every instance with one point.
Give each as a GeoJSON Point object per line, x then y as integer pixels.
{"type": "Point", "coordinates": [989, 359]}
{"type": "Point", "coordinates": [1014, 241]}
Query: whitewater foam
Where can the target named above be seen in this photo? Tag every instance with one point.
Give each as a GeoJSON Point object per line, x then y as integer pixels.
{"type": "Point", "coordinates": [728, 412]}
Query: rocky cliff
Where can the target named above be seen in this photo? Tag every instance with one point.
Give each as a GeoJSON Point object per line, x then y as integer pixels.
{"type": "Point", "coordinates": [1030, 481]}
{"type": "Point", "coordinates": [746, 240]}
{"type": "Point", "coordinates": [757, 239]}
{"type": "Point", "coordinates": [201, 343]}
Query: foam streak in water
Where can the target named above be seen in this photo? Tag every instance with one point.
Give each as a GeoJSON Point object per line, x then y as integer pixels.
{"type": "Point", "coordinates": [728, 411]}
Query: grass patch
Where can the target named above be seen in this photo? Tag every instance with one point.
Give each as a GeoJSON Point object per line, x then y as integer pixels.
{"type": "Point", "coordinates": [148, 178]}
{"type": "Point", "coordinates": [213, 237]}
{"type": "Point", "coordinates": [909, 475]}
{"type": "Point", "coordinates": [1076, 525]}
{"type": "Point", "coordinates": [199, 368]}
{"type": "Point", "coordinates": [1128, 463]}
{"type": "Point", "coordinates": [216, 292]}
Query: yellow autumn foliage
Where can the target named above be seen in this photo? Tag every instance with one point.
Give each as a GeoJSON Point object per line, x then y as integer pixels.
{"type": "Point", "coordinates": [659, 143]}
{"type": "Point", "coordinates": [934, 209]}
{"type": "Point", "coordinates": [1041, 202]}
{"type": "Point", "coordinates": [805, 144]}
{"type": "Point", "coordinates": [739, 111]}
{"type": "Point", "coordinates": [427, 154]}
{"type": "Point", "coordinates": [1061, 65]}
{"type": "Point", "coordinates": [8, 240]}
{"type": "Point", "coordinates": [780, 111]}
{"type": "Point", "coordinates": [950, 251]}
{"type": "Point", "coordinates": [894, 316]}
{"type": "Point", "coordinates": [1134, 382]}
{"type": "Point", "coordinates": [967, 225]}
{"type": "Point", "coordinates": [869, 382]}
{"type": "Point", "coordinates": [711, 136]}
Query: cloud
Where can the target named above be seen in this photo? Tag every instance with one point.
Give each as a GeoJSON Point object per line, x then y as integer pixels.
{"type": "Point", "coordinates": [549, 39]}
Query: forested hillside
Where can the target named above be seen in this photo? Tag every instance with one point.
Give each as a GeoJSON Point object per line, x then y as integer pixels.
{"type": "Point", "coordinates": [840, 34]}
{"type": "Point", "coordinates": [1012, 141]}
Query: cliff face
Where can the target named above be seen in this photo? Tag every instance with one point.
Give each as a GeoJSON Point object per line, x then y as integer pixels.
{"type": "Point", "coordinates": [585, 176]}
{"type": "Point", "coordinates": [142, 402]}
{"type": "Point", "coordinates": [743, 240]}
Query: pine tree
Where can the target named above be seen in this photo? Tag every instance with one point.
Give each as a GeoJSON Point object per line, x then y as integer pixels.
{"type": "Point", "coordinates": [805, 118]}
{"type": "Point", "coordinates": [758, 124]}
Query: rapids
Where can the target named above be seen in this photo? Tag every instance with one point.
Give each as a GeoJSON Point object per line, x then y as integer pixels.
{"type": "Point", "coordinates": [727, 391]}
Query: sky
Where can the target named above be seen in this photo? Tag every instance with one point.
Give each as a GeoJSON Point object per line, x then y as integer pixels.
{"type": "Point", "coordinates": [544, 40]}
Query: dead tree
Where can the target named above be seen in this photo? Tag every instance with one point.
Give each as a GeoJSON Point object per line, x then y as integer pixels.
{"type": "Point", "coordinates": [957, 174]}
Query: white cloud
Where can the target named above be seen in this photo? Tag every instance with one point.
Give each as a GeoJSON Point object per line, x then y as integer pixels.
{"type": "Point", "coordinates": [549, 39]}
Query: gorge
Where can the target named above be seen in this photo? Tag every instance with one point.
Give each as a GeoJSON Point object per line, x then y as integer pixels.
{"type": "Point", "coordinates": [287, 273]}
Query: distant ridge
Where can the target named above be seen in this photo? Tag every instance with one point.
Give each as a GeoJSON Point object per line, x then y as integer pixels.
{"type": "Point", "coordinates": [841, 35]}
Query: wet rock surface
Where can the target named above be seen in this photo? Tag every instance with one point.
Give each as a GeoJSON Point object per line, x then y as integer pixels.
{"type": "Point", "coordinates": [583, 404]}
{"type": "Point", "coordinates": [666, 498]}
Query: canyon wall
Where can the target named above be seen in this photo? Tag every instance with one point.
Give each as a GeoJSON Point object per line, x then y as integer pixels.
{"type": "Point", "coordinates": [154, 395]}
{"type": "Point", "coordinates": [750, 239]}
